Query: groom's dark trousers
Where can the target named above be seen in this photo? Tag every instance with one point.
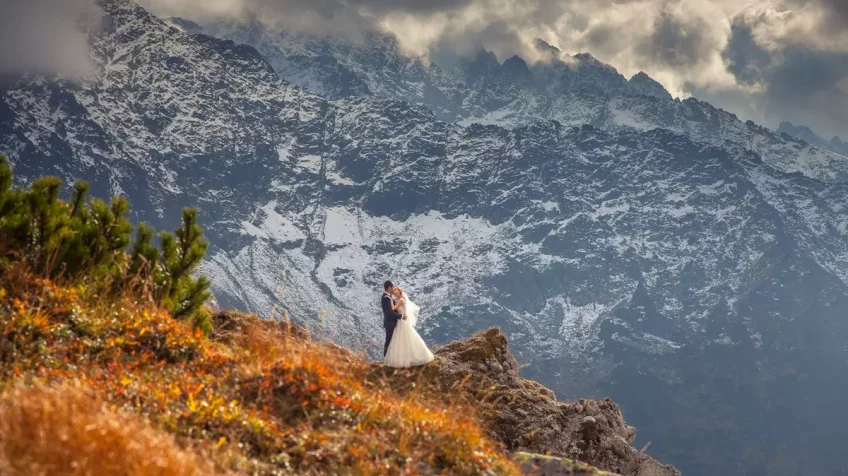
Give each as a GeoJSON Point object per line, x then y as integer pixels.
{"type": "Point", "coordinates": [390, 319]}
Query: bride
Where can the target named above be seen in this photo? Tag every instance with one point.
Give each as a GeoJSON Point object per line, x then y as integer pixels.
{"type": "Point", "coordinates": [406, 349]}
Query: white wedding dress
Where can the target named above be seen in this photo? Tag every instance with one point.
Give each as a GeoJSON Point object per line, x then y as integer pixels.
{"type": "Point", "coordinates": [407, 348]}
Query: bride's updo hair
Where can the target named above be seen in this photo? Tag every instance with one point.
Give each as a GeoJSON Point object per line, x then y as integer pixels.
{"type": "Point", "coordinates": [388, 285]}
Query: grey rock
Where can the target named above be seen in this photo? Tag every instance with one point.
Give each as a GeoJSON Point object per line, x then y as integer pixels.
{"type": "Point", "coordinates": [524, 417]}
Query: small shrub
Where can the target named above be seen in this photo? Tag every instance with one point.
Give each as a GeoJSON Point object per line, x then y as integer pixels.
{"type": "Point", "coordinates": [181, 254]}
{"type": "Point", "coordinates": [86, 241]}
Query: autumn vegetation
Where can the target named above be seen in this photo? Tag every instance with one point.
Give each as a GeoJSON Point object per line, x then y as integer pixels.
{"type": "Point", "coordinates": [110, 363]}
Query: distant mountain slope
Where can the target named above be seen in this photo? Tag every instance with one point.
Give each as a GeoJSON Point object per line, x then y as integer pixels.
{"type": "Point", "coordinates": [696, 273]}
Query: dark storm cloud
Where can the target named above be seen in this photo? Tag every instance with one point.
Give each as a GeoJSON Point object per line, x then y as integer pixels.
{"type": "Point", "coordinates": [803, 73]}
{"type": "Point", "coordinates": [346, 18]}
{"type": "Point", "coordinates": [414, 6]}
{"type": "Point", "coordinates": [603, 38]}
{"type": "Point", "coordinates": [799, 84]}
{"type": "Point", "coordinates": [810, 87]}
{"type": "Point", "coordinates": [745, 58]}
{"type": "Point", "coordinates": [676, 42]}
{"type": "Point", "coordinates": [836, 12]}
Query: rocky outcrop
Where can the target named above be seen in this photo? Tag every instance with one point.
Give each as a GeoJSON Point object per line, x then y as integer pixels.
{"type": "Point", "coordinates": [521, 414]}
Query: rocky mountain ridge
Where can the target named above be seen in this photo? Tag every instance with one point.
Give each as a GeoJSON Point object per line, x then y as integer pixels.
{"type": "Point", "coordinates": [805, 134]}
{"type": "Point", "coordinates": [682, 274]}
{"type": "Point", "coordinates": [572, 90]}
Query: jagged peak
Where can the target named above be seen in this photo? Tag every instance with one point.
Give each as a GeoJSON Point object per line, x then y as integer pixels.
{"type": "Point", "coordinates": [187, 26]}
{"type": "Point", "coordinates": [486, 56]}
{"type": "Point", "coordinates": [789, 126]}
{"type": "Point", "coordinates": [516, 64]}
{"type": "Point", "coordinates": [382, 39]}
{"type": "Point", "coordinates": [480, 65]}
{"type": "Point", "coordinates": [515, 61]}
{"type": "Point", "coordinates": [588, 58]}
{"type": "Point", "coordinates": [546, 48]}
{"type": "Point", "coordinates": [806, 134]}
{"type": "Point", "coordinates": [642, 76]}
{"type": "Point", "coordinates": [641, 83]}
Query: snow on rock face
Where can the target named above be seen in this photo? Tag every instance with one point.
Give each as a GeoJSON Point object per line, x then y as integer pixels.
{"type": "Point", "coordinates": [605, 252]}
{"type": "Point", "coordinates": [434, 257]}
{"type": "Point", "coordinates": [586, 217]}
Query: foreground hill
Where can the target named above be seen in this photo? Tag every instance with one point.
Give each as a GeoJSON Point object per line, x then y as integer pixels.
{"type": "Point", "coordinates": [94, 386]}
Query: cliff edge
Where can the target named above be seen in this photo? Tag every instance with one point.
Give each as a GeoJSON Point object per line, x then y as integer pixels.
{"type": "Point", "coordinates": [522, 415]}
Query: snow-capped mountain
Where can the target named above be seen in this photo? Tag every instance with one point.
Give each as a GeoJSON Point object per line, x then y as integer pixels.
{"type": "Point", "coordinates": [805, 134]}
{"type": "Point", "coordinates": [696, 273]}
{"type": "Point", "coordinates": [572, 90]}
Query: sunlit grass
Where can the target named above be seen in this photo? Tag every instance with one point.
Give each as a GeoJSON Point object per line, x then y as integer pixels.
{"type": "Point", "coordinates": [253, 396]}
{"type": "Point", "coordinates": [65, 430]}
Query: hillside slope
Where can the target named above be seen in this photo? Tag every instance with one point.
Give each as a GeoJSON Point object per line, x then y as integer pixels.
{"type": "Point", "coordinates": [255, 397]}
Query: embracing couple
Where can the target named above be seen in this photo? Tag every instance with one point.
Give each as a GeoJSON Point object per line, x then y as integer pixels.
{"type": "Point", "coordinates": [404, 347]}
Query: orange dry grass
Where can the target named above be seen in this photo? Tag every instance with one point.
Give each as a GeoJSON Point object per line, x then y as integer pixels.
{"type": "Point", "coordinates": [257, 397]}
{"type": "Point", "coordinates": [64, 431]}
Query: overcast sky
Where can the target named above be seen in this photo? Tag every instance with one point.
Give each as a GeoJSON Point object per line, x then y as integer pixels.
{"type": "Point", "coordinates": [766, 60]}
{"type": "Point", "coordinates": [45, 36]}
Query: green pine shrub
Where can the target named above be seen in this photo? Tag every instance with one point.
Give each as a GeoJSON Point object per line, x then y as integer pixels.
{"type": "Point", "coordinates": [90, 242]}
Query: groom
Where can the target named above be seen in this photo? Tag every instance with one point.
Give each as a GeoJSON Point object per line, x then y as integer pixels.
{"type": "Point", "coordinates": [390, 316]}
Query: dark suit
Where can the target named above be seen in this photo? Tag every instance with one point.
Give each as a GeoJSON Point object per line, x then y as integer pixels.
{"type": "Point", "coordinates": [390, 319]}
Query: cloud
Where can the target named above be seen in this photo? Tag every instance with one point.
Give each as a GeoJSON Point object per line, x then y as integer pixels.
{"type": "Point", "coordinates": [346, 18]}
{"type": "Point", "coordinates": [814, 24]}
{"type": "Point", "coordinates": [743, 55]}
{"type": "Point", "coordinates": [319, 17]}
{"type": "Point", "coordinates": [46, 36]}
{"type": "Point", "coordinates": [753, 57]}
{"type": "Point", "coordinates": [801, 79]}
{"type": "Point", "coordinates": [810, 87]}
{"type": "Point", "coordinates": [746, 60]}
{"type": "Point", "coordinates": [679, 42]}
{"type": "Point", "coordinates": [796, 53]}
{"type": "Point", "coordinates": [835, 13]}
{"type": "Point", "coordinates": [415, 6]}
